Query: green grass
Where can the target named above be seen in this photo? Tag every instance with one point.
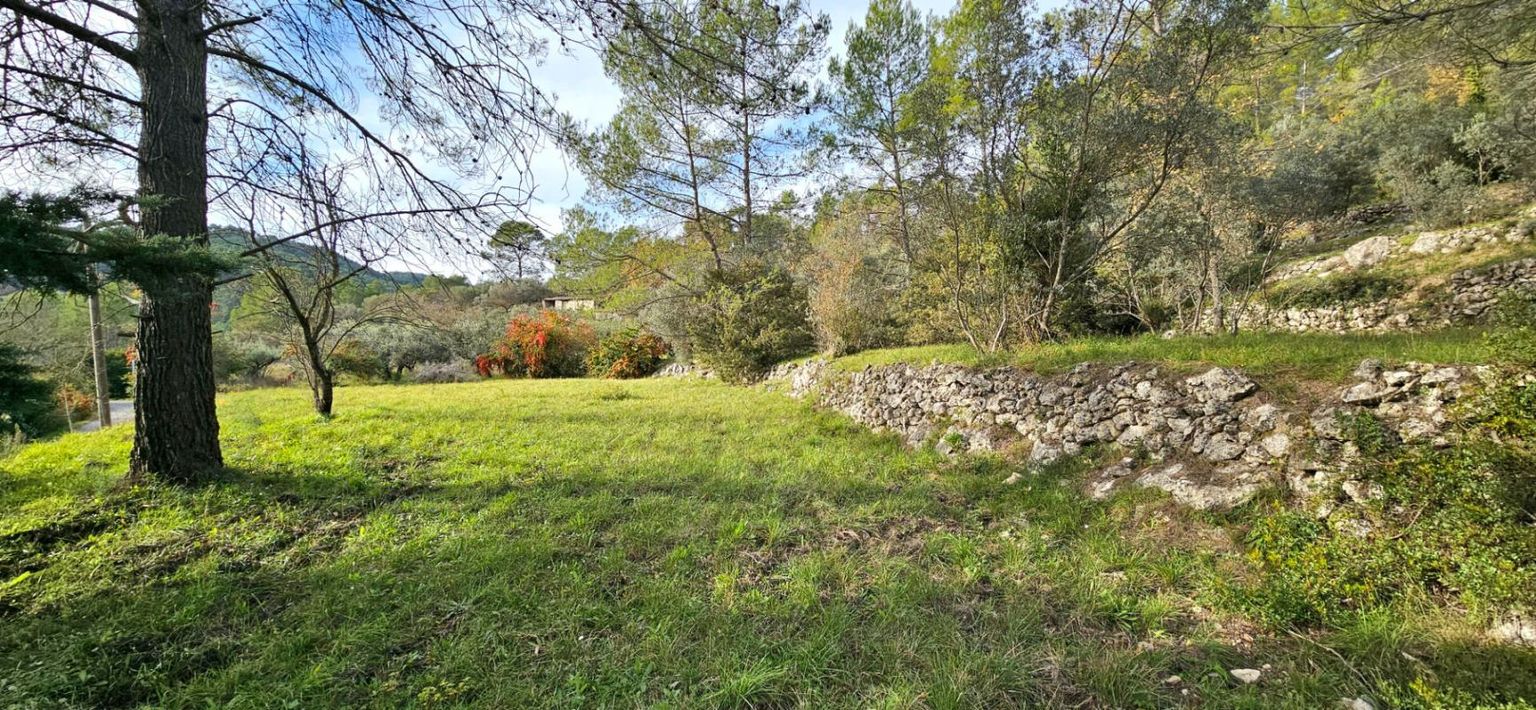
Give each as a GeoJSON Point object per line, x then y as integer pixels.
{"type": "Point", "coordinates": [1316, 356]}
{"type": "Point", "coordinates": [665, 543]}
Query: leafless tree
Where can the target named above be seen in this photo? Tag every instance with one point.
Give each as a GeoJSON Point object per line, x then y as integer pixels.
{"type": "Point", "coordinates": [299, 283]}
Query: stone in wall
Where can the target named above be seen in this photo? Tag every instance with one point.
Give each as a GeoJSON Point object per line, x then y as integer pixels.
{"type": "Point", "coordinates": [1474, 293]}
{"type": "Point", "coordinates": [680, 369]}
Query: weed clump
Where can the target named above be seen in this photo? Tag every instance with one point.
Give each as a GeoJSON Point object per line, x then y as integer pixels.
{"type": "Point", "coordinates": [1341, 290]}
{"type": "Point", "coordinates": [1450, 523]}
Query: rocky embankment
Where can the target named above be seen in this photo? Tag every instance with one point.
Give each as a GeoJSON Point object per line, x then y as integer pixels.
{"type": "Point", "coordinates": [1211, 440]}
{"type": "Point", "coordinates": [1467, 297]}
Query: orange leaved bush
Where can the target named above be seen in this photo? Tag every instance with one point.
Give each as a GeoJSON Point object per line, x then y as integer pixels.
{"type": "Point", "coordinates": [543, 344]}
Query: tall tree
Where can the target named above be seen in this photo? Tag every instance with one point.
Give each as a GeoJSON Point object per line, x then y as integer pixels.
{"type": "Point", "coordinates": [763, 57]}
{"type": "Point", "coordinates": [1076, 121]}
{"type": "Point", "coordinates": [660, 160]}
{"type": "Point", "coordinates": [973, 108]}
{"type": "Point", "coordinates": [703, 134]}
{"type": "Point", "coordinates": [870, 104]}
{"type": "Point", "coordinates": [1129, 101]}
{"type": "Point", "coordinates": [516, 249]}
{"type": "Point", "coordinates": [712, 90]}
{"type": "Point", "coordinates": [193, 94]}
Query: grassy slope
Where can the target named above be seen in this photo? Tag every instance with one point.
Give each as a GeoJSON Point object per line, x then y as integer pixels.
{"type": "Point", "coordinates": [516, 544]}
{"type": "Point", "coordinates": [1315, 356]}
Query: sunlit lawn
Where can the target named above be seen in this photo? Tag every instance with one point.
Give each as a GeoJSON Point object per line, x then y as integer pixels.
{"type": "Point", "coordinates": [1308, 355]}
{"type": "Point", "coordinates": [663, 542]}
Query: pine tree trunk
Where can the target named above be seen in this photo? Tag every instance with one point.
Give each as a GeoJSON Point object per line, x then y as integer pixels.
{"type": "Point", "coordinates": [176, 434]}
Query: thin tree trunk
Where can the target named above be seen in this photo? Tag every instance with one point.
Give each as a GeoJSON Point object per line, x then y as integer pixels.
{"type": "Point", "coordinates": [99, 356]}
{"type": "Point", "coordinates": [1213, 277]}
{"type": "Point", "coordinates": [746, 151]}
{"type": "Point", "coordinates": [324, 389]}
{"type": "Point", "coordinates": [176, 432]}
{"type": "Point", "coordinates": [901, 204]}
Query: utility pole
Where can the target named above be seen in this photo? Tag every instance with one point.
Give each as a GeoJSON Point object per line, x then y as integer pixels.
{"type": "Point", "coordinates": [99, 352]}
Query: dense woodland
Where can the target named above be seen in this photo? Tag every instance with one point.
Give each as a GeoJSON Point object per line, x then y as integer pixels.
{"type": "Point", "coordinates": [1005, 175]}
{"type": "Point", "coordinates": [1000, 175]}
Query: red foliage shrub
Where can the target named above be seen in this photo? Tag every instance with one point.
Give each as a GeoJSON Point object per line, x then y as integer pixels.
{"type": "Point", "coordinates": [544, 344]}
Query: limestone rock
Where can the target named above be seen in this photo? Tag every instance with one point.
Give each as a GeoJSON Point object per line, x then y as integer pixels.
{"type": "Point", "coordinates": [1426, 243]}
{"type": "Point", "coordinates": [1516, 630]}
{"type": "Point", "coordinates": [1221, 384]}
{"type": "Point", "coordinates": [1176, 481]}
{"type": "Point", "coordinates": [1368, 253]}
{"type": "Point", "coordinates": [1247, 675]}
{"type": "Point", "coordinates": [1360, 703]}
{"type": "Point", "coordinates": [1366, 393]}
{"type": "Point", "coordinates": [1222, 447]}
{"type": "Point", "coordinates": [1276, 445]}
{"type": "Point", "coordinates": [1045, 454]}
{"type": "Point", "coordinates": [1363, 491]}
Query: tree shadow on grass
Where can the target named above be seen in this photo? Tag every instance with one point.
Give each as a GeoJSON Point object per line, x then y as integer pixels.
{"type": "Point", "coordinates": [497, 611]}
{"type": "Point", "coordinates": [385, 580]}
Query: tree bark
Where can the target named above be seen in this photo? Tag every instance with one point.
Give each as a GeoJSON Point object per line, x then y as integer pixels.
{"type": "Point", "coordinates": [324, 389]}
{"type": "Point", "coordinates": [176, 434]}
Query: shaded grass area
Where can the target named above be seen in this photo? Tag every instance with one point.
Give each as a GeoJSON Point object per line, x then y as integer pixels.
{"type": "Point", "coordinates": [1314, 356]}
{"type": "Point", "coordinates": [673, 543]}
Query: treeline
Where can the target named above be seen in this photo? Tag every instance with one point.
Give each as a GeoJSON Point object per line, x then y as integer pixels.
{"type": "Point", "coordinates": [1002, 174]}
{"type": "Point", "coordinates": [997, 175]}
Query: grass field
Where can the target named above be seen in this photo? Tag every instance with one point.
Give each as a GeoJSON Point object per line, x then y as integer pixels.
{"type": "Point", "coordinates": [1313, 356]}
{"type": "Point", "coordinates": [661, 543]}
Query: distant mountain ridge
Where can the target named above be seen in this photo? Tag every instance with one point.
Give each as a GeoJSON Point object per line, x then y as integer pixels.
{"type": "Point", "coordinates": [235, 239]}
{"type": "Point", "coordinates": [227, 296]}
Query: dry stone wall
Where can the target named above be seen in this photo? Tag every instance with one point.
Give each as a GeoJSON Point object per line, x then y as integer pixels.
{"type": "Point", "coordinates": [1212, 440]}
{"type": "Point", "coordinates": [1376, 250]}
{"type": "Point", "coordinates": [1467, 297]}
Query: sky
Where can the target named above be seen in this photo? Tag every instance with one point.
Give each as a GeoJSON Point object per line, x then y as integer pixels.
{"type": "Point", "coordinates": [581, 90]}
{"type": "Point", "coordinates": [574, 77]}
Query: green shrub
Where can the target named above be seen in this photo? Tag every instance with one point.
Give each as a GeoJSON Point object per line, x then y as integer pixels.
{"type": "Point", "coordinates": [856, 276]}
{"type": "Point", "coordinates": [445, 372]}
{"type": "Point", "coordinates": [1334, 291]}
{"type": "Point", "coordinates": [27, 404]}
{"type": "Point", "coordinates": [357, 360]}
{"type": "Point", "coordinates": [748, 322]}
{"type": "Point", "coordinates": [627, 354]}
{"type": "Point", "coordinates": [236, 359]}
{"type": "Point", "coordinates": [1450, 523]}
{"type": "Point", "coordinates": [1513, 337]}
{"type": "Point", "coordinates": [1445, 196]}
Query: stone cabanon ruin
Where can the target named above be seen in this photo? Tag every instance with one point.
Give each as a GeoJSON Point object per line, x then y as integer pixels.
{"type": "Point", "coordinates": [1212, 440]}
